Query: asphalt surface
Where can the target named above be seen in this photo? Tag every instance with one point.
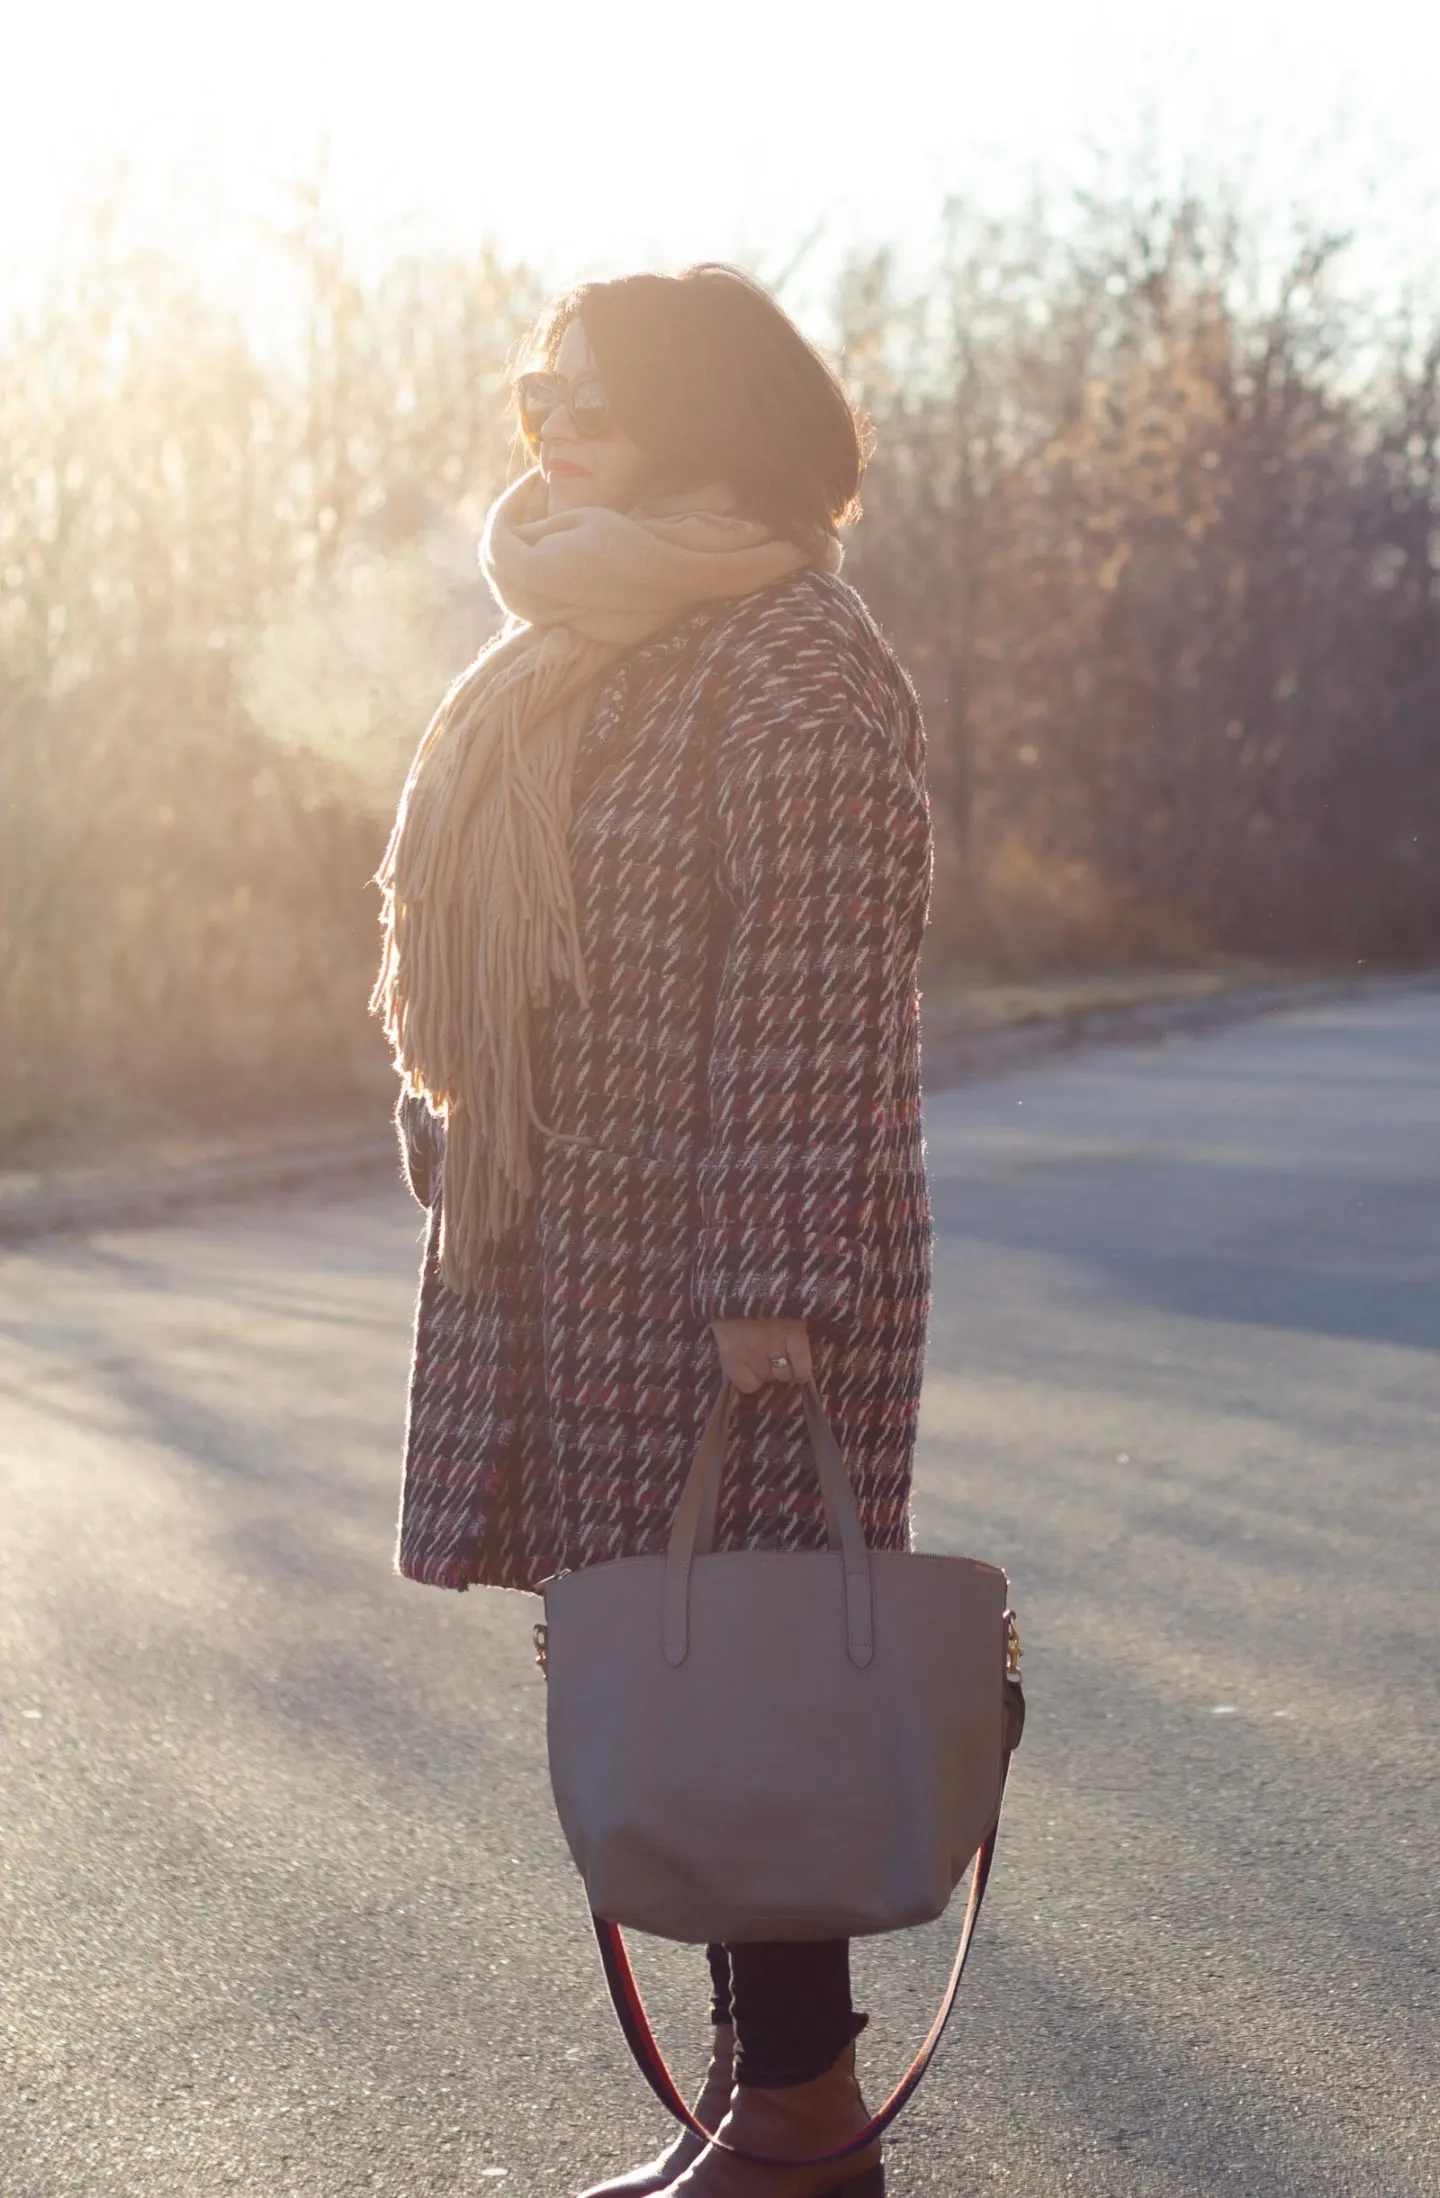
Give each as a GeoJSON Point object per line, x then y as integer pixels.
{"type": "Point", "coordinates": [283, 1902]}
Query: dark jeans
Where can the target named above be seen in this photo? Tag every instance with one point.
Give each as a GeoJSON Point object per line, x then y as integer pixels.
{"type": "Point", "coordinates": [790, 2004]}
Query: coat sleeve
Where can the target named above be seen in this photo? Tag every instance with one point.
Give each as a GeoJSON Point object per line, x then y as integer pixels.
{"type": "Point", "coordinates": [824, 858]}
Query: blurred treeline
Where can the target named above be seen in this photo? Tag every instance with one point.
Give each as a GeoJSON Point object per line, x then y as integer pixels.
{"type": "Point", "coordinates": [1152, 522]}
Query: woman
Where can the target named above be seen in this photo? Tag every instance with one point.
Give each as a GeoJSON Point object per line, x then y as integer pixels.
{"type": "Point", "coordinates": [653, 907]}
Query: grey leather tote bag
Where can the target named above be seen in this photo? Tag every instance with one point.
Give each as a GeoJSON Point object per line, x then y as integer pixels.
{"type": "Point", "coordinates": [749, 1744]}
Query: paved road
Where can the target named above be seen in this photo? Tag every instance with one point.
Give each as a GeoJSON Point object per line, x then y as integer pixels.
{"type": "Point", "coordinates": [284, 1906]}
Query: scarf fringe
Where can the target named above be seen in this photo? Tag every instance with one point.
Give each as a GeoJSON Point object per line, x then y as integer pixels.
{"type": "Point", "coordinates": [478, 912]}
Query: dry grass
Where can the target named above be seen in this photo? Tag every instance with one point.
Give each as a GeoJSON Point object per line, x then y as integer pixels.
{"type": "Point", "coordinates": [956, 1005]}
{"type": "Point", "coordinates": [122, 1135]}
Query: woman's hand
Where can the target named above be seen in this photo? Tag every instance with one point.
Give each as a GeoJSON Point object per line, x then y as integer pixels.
{"type": "Point", "coordinates": [747, 1347]}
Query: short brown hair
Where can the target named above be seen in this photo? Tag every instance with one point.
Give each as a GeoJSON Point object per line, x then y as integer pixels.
{"type": "Point", "coordinates": [713, 380]}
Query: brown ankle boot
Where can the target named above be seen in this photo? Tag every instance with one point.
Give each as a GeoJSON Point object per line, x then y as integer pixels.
{"type": "Point", "coordinates": [801, 2120]}
{"type": "Point", "coordinates": [709, 2108]}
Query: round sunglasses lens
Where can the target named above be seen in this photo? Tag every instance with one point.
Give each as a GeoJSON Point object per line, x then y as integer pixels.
{"type": "Point", "coordinates": [588, 408]}
{"type": "Point", "coordinates": [536, 396]}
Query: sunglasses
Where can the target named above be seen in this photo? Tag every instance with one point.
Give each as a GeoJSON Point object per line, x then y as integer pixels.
{"type": "Point", "coordinates": [538, 395]}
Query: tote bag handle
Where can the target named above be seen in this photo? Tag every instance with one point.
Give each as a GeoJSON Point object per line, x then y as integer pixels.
{"type": "Point", "coordinates": [692, 1533]}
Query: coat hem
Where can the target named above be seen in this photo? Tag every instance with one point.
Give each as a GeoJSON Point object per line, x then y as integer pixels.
{"type": "Point", "coordinates": [457, 1575]}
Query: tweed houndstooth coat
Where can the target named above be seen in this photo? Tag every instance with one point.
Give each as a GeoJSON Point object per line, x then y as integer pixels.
{"type": "Point", "coordinates": [750, 842]}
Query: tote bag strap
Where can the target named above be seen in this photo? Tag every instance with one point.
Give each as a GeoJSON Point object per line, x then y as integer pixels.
{"type": "Point", "coordinates": [634, 2021]}
{"type": "Point", "coordinates": [692, 1531]}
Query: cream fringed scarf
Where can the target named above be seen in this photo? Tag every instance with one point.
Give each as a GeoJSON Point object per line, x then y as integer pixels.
{"type": "Point", "coordinates": [479, 915]}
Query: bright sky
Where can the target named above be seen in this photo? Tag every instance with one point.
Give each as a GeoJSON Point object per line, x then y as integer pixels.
{"type": "Point", "coordinates": [591, 137]}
